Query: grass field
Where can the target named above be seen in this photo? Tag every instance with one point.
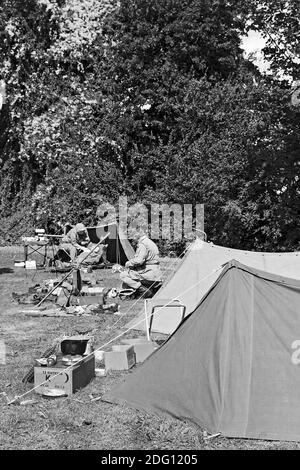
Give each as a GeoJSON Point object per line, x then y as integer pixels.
{"type": "Point", "coordinates": [76, 422]}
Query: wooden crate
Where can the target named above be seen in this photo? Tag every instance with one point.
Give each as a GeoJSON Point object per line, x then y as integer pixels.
{"type": "Point", "coordinates": [74, 378]}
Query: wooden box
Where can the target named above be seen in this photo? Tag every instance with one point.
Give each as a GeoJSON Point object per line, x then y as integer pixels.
{"type": "Point", "coordinates": [74, 378]}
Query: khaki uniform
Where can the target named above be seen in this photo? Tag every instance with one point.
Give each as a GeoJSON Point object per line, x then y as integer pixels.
{"type": "Point", "coordinates": [73, 241]}
{"type": "Point", "coordinates": [144, 265]}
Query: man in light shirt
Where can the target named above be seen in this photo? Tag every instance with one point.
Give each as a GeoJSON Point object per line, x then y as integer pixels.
{"type": "Point", "coordinates": [76, 241]}
{"type": "Point", "coordinates": [145, 264]}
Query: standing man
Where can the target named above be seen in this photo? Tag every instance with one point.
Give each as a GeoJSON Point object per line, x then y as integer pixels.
{"type": "Point", "coordinates": [76, 241]}
{"type": "Point", "coordinates": [145, 264]}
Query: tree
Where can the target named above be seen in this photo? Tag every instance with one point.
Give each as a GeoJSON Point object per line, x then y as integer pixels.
{"type": "Point", "coordinates": [279, 22]}
{"type": "Point", "coordinates": [50, 127]}
{"type": "Point", "coordinates": [26, 30]}
{"type": "Point", "coordinates": [156, 48]}
{"type": "Point", "coordinates": [240, 158]}
{"type": "Point", "coordinates": [153, 100]}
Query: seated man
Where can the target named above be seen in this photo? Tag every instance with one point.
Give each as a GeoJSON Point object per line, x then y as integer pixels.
{"type": "Point", "coordinates": [76, 241]}
{"type": "Point", "coordinates": [144, 266]}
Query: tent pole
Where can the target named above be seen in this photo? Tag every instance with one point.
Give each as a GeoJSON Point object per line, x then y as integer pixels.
{"type": "Point", "coordinates": [146, 319]}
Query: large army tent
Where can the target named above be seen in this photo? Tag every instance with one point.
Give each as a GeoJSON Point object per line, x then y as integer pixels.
{"type": "Point", "coordinates": [233, 365]}
{"type": "Point", "coordinates": [200, 268]}
{"type": "Point", "coordinates": [119, 249]}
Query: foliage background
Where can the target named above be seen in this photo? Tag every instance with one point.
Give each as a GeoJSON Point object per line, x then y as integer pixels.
{"type": "Point", "coordinates": [152, 100]}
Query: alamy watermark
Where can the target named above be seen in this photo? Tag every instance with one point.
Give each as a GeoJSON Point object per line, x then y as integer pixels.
{"type": "Point", "coordinates": [164, 221]}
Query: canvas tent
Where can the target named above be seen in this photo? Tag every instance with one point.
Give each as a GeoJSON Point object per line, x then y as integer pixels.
{"type": "Point", "coordinates": [200, 263]}
{"type": "Point", "coordinates": [119, 249]}
{"type": "Point", "coordinates": [233, 366]}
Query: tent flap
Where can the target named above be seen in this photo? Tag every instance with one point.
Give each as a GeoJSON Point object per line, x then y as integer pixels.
{"type": "Point", "coordinates": [119, 250]}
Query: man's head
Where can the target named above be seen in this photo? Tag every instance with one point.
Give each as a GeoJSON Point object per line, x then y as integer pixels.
{"type": "Point", "coordinates": [80, 228]}
{"type": "Point", "coordinates": [135, 233]}
{"type": "Point", "coordinates": [82, 234]}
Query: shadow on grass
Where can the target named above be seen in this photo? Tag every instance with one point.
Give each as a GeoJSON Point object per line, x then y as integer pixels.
{"type": "Point", "coordinates": [6, 270]}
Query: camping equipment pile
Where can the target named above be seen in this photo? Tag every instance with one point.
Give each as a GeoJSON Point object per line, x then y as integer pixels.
{"type": "Point", "coordinates": [77, 294]}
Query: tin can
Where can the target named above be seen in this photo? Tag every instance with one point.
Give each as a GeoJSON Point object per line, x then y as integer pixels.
{"type": "Point", "coordinates": [51, 360]}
